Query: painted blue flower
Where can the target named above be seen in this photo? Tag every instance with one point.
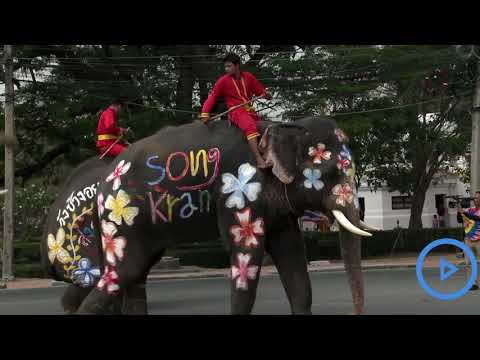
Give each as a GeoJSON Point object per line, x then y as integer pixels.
{"type": "Point", "coordinates": [88, 231]}
{"type": "Point", "coordinates": [346, 153]}
{"type": "Point", "coordinates": [240, 187]}
{"type": "Point", "coordinates": [85, 274]}
{"type": "Point", "coordinates": [313, 179]}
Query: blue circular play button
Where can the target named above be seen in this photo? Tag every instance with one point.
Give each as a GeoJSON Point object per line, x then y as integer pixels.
{"type": "Point", "coordinates": [447, 269]}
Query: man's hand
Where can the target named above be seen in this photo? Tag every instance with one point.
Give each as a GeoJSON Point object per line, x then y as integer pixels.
{"type": "Point", "coordinates": [459, 208]}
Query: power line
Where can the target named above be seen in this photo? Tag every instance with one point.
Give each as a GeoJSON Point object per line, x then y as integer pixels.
{"type": "Point", "coordinates": [277, 79]}
{"type": "Point", "coordinates": [293, 52]}
{"type": "Point", "coordinates": [392, 107]}
{"type": "Point", "coordinates": [81, 61]}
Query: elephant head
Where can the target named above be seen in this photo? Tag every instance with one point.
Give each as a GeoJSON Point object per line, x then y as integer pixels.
{"type": "Point", "coordinates": [312, 159]}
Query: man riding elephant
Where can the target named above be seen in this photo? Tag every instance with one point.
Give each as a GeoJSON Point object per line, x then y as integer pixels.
{"type": "Point", "coordinates": [237, 87]}
{"type": "Point", "coordinates": [109, 135]}
{"type": "Point", "coordinates": [196, 182]}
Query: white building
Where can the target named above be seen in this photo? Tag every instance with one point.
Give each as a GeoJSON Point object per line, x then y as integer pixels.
{"type": "Point", "coordinates": [387, 210]}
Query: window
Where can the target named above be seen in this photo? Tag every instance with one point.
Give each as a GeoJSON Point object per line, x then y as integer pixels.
{"type": "Point", "coordinates": [401, 202]}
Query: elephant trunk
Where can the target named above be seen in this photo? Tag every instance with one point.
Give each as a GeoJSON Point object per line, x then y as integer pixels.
{"type": "Point", "coordinates": [350, 244]}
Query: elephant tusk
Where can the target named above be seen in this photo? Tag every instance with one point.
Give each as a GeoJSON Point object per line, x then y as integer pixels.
{"type": "Point", "coordinates": [3, 192]}
{"type": "Point", "coordinates": [368, 227]}
{"type": "Point", "coordinates": [342, 220]}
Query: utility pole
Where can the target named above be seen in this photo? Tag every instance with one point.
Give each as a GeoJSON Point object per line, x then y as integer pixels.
{"type": "Point", "coordinates": [475, 154]}
{"type": "Point", "coordinates": [8, 230]}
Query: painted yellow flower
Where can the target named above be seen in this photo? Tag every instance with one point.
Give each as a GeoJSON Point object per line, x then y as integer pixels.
{"type": "Point", "coordinates": [119, 208]}
{"type": "Point", "coordinates": [55, 248]}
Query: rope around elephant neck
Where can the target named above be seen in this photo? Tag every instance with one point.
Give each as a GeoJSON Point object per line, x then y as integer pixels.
{"type": "Point", "coordinates": [292, 209]}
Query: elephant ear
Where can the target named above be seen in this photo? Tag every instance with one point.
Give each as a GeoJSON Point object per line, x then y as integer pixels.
{"type": "Point", "coordinates": [281, 145]}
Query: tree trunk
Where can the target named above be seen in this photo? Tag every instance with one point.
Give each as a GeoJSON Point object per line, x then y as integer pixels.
{"type": "Point", "coordinates": [418, 200]}
{"type": "Point", "coordinates": [418, 197]}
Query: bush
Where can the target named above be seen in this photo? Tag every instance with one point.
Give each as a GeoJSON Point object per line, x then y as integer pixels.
{"type": "Point", "coordinates": [319, 246]}
{"type": "Point", "coordinates": [326, 245]}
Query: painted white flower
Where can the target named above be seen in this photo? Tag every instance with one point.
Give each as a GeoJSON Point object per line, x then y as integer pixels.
{"type": "Point", "coordinates": [119, 208]}
{"type": "Point", "coordinates": [243, 272]}
{"type": "Point", "coordinates": [112, 247]}
{"type": "Point", "coordinates": [120, 170]}
{"type": "Point", "coordinates": [109, 281]}
{"type": "Point", "coordinates": [313, 179]}
{"type": "Point", "coordinates": [55, 248]}
{"type": "Point", "coordinates": [240, 187]}
{"type": "Point", "coordinates": [344, 194]}
{"type": "Point", "coordinates": [247, 231]}
{"type": "Point", "coordinates": [100, 200]}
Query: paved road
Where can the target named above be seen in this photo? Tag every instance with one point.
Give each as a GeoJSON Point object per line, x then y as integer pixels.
{"type": "Point", "coordinates": [394, 291]}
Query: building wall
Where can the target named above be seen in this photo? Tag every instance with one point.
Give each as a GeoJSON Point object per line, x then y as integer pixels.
{"type": "Point", "coordinates": [379, 212]}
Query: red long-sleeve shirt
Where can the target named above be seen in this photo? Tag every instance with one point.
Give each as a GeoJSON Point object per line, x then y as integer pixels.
{"type": "Point", "coordinates": [107, 125]}
{"type": "Point", "coordinates": [234, 92]}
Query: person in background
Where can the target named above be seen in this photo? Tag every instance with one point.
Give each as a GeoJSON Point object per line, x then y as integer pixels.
{"type": "Point", "coordinates": [471, 223]}
{"type": "Point", "coordinates": [435, 222]}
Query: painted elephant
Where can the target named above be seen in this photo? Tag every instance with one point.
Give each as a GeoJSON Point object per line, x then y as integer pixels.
{"type": "Point", "coordinates": [69, 245]}
{"type": "Point", "coordinates": [194, 181]}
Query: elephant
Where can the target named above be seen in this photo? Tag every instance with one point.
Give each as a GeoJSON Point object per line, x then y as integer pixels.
{"type": "Point", "coordinates": [70, 221]}
{"type": "Point", "coordinates": [197, 181]}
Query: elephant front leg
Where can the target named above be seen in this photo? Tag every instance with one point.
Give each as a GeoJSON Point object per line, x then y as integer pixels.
{"type": "Point", "coordinates": [244, 232]}
{"type": "Point", "coordinates": [287, 249]}
{"type": "Point", "coordinates": [245, 273]}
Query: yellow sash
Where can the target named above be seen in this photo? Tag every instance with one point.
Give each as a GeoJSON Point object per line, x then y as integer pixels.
{"type": "Point", "coordinates": [247, 107]}
{"type": "Point", "coordinates": [107, 137]}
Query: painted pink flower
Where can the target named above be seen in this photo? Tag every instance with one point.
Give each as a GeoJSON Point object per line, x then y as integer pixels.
{"type": "Point", "coordinates": [112, 247]}
{"type": "Point", "coordinates": [344, 194]}
{"type": "Point", "coordinates": [120, 170]}
{"type": "Point", "coordinates": [341, 135]}
{"type": "Point", "coordinates": [342, 163]}
{"type": "Point", "coordinates": [243, 272]}
{"type": "Point", "coordinates": [319, 153]}
{"type": "Point", "coordinates": [109, 281]}
{"type": "Point", "coordinates": [101, 207]}
{"type": "Point", "coordinates": [247, 231]}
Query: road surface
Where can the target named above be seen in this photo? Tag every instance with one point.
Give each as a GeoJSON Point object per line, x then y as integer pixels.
{"type": "Point", "coordinates": [394, 291]}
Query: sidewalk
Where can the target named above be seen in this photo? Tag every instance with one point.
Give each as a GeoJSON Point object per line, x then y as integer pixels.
{"type": "Point", "coordinates": [194, 272]}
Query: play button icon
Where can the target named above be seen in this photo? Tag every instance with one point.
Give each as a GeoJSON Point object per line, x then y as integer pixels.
{"type": "Point", "coordinates": [447, 269]}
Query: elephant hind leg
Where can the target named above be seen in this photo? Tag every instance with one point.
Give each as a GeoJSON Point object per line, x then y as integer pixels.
{"type": "Point", "coordinates": [135, 300]}
{"type": "Point", "coordinates": [101, 303]}
{"type": "Point", "coordinates": [73, 297]}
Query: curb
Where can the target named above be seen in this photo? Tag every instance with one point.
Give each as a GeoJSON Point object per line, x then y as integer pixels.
{"type": "Point", "coordinates": [206, 275]}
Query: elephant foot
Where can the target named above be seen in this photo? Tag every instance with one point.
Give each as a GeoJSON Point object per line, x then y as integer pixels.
{"type": "Point", "coordinates": [100, 303]}
{"type": "Point", "coordinates": [135, 307]}
{"type": "Point", "coordinates": [306, 312]}
{"type": "Point", "coordinates": [73, 298]}
{"type": "Point", "coordinates": [135, 300]}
